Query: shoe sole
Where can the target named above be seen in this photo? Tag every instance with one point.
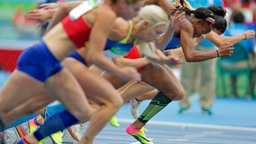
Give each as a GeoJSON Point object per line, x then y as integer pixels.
{"type": "Point", "coordinates": [137, 137]}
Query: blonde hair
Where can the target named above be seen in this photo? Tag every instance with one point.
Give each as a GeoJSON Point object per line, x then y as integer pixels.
{"type": "Point", "coordinates": [154, 14]}
{"type": "Point", "coordinates": [182, 3]}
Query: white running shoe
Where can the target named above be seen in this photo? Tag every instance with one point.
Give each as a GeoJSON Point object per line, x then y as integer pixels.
{"type": "Point", "coordinates": [134, 107]}
{"type": "Point", "coordinates": [77, 130]}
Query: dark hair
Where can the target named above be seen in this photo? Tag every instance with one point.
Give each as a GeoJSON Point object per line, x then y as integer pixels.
{"type": "Point", "coordinates": [220, 24]}
{"type": "Point", "coordinates": [200, 13]}
{"type": "Point", "coordinates": [218, 10]}
{"type": "Point", "coordinates": [238, 17]}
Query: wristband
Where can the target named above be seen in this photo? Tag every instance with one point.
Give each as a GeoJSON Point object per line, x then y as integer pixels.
{"type": "Point", "coordinates": [218, 54]}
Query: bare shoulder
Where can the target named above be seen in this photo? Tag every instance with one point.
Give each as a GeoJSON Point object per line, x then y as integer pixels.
{"type": "Point", "coordinates": [120, 29]}
{"type": "Point", "coordinates": [187, 27]}
{"type": "Point", "coordinates": [105, 11]}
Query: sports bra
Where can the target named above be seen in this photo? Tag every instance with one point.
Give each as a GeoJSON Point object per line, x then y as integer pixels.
{"type": "Point", "coordinates": [120, 48]}
{"type": "Point", "coordinates": [76, 28]}
{"type": "Point", "coordinates": [78, 31]}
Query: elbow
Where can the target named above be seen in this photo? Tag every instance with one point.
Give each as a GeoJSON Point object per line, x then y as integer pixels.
{"type": "Point", "coordinates": [189, 58]}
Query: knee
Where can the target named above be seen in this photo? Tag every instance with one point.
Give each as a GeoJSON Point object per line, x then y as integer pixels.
{"type": "Point", "coordinates": [180, 94]}
{"type": "Point", "coordinates": [84, 114]}
{"type": "Point", "coordinates": [118, 102]}
{"type": "Point", "coordinates": [176, 94]}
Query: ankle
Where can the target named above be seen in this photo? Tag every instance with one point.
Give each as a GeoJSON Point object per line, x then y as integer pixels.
{"type": "Point", "coordinates": [137, 125]}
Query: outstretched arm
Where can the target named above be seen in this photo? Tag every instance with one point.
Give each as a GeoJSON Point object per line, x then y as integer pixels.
{"type": "Point", "coordinates": [220, 40]}
{"type": "Point", "coordinates": [62, 12]}
{"type": "Point", "coordinates": [56, 11]}
{"type": "Point", "coordinates": [188, 46]}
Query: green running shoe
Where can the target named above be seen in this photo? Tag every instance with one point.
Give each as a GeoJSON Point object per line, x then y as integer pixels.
{"type": "Point", "coordinates": [207, 111]}
{"type": "Point", "coordinates": [114, 122]}
{"type": "Point", "coordinates": [138, 134]}
{"type": "Point", "coordinates": [183, 110]}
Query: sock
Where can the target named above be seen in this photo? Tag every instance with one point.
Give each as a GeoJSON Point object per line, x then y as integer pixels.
{"type": "Point", "coordinates": [55, 123]}
{"type": "Point", "coordinates": [159, 102]}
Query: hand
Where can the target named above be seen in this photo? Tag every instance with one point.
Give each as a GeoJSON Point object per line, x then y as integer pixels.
{"type": "Point", "coordinates": [49, 6]}
{"type": "Point", "coordinates": [226, 50]}
{"type": "Point", "coordinates": [130, 73]}
{"type": "Point", "coordinates": [177, 19]}
{"type": "Point", "coordinates": [43, 14]}
{"type": "Point", "coordinates": [226, 45]}
{"type": "Point", "coordinates": [171, 60]}
{"type": "Point", "coordinates": [40, 15]}
{"type": "Point", "coordinates": [249, 34]}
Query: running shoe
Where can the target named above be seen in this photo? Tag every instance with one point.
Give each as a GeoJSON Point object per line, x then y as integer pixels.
{"type": "Point", "coordinates": [134, 109]}
{"type": "Point", "coordinates": [138, 134]}
{"type": "Point", "coordinates": [77, 130]}
{"type": "Point", "coordinates": [207, 111]}
{"type": "Point", "coordinates": [183, 110]}
{"type": "Point", "coordinates": [114, 122]}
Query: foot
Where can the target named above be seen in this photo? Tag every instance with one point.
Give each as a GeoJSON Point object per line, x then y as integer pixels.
{"type": "Point", "coordinates": [77, 130]}
{"type": "Point", "coordinates": [207, 111]}
{"type": "Point", "coordinates": [183, 110]}
{"type": "Point", "coordinates": [134, 109]}
{"type": "Point", "coordinates": [114, 122]}
{"type": "Point", "coordinates": [138, 134]}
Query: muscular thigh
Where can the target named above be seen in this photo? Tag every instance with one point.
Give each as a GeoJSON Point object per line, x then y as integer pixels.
{"type": "Point", "coordinates": [156, 76]}
{"type": "Point", "coordinates": [96, 88]}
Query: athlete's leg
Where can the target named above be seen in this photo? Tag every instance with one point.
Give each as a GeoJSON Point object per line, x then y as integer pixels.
{"type": "Point", "coordinates": [168, 85]}
{"type": "Point", "coordinates": [67, 90]}
{"type": "Point", "coordinates": [99, 91]}
{"type": "Point", "coordinates": [18, 89]}
{"type": "Point", "coordinates": [147, 96]}
{"type": "Point", "coordinates": [134, 89]}
{"type": "Point", "coordinates": [34, 104]}
{"type": "Point", "coordinates": [136, 102]}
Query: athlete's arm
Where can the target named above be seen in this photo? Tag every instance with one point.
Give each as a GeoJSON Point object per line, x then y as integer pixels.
{"type": "Point", "coordinates": [48, 10]}
{"type": "Point", "coordinates": [163, 40]}
{"type": "Point", "coordinates": [188, 46]}
{"type": "Point", "coordinates": [122, 62]}
{"type": "Point", "coordinates": [62, 12]}
{"type": "Point", "coordinates": [220, 40]}
{"type": "Point", "coordinates": [104, 21]}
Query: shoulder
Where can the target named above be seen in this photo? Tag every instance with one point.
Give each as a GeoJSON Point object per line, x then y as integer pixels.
{"type": "Point", "coordinates": [187, 27]}
{"type": "Point", "coordinates": [105, 11]}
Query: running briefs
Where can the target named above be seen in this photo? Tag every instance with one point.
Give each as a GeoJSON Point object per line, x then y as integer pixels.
{"type": "Point", "coordinates": [78, 57]}
{"type": "Point", "coordinates": [38, 62]}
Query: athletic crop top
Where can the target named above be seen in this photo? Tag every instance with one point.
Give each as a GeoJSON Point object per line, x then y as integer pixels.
{"type": "Point", "coordinates": [78, 31]}
{"type": "Point", "coordinates": [76, 28]}
{"type": "Point", "coordinates": [120, 48]}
